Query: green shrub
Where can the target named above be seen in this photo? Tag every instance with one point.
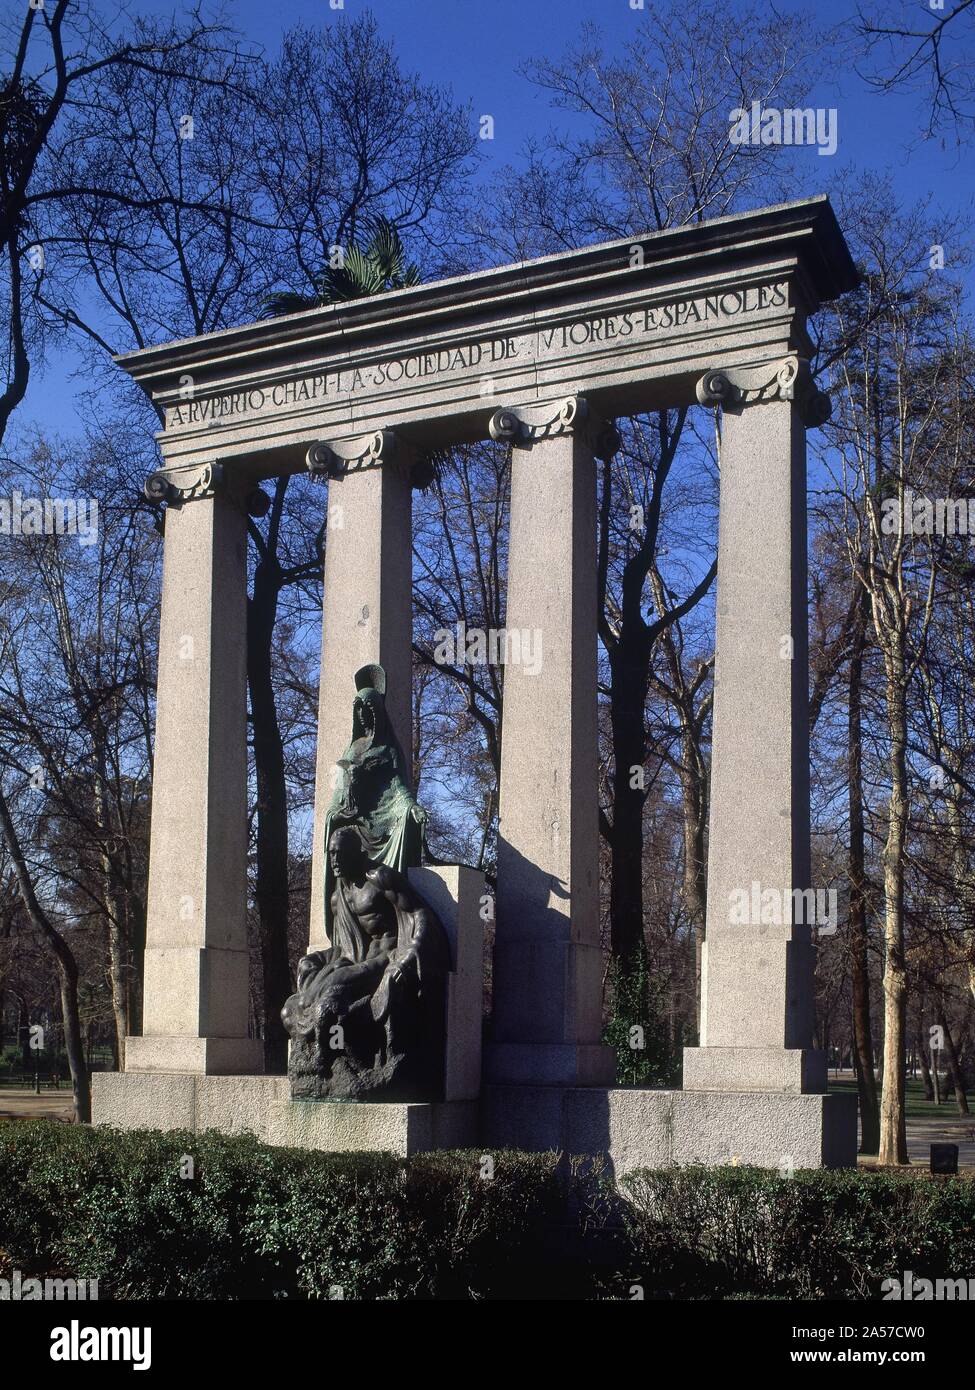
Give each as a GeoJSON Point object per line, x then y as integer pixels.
{"type": "Point", "coordinates": [730, 1232]}
{"type": "Point", "coordinates": [648, 1053]}
{"type": "Point", "coordinates": [255, 1222]}
{"type": "Point", "coordinates": [258, 1222]}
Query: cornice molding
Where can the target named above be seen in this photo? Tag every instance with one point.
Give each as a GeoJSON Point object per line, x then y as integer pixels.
{"type": "Point", "coordinates": [805, 230]}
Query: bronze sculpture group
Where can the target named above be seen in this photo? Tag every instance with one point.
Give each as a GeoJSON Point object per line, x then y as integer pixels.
{"type": "Point", "coordinates": [367, 1019]}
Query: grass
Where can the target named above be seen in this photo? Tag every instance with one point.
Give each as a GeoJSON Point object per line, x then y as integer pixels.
{"type": "Point", "coordinates": [918, 1106]}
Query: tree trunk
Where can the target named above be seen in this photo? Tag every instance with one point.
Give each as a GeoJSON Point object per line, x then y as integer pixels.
{"type": "Point", "coordinates": [954, 1068]}
{"type": "Point", "coordinates": [119, 952]}
{"type": "Point", "coordinates": [922, 1057]}
{"type": "Point", "coordinates": [118, 978]}
{"type": "Point", "coordinates": [629, 679]}
{"type": "Point", "coordinates": [893, 1133]}
{"type": "Point", "coordinates": [856, 870]}
{"type": "Point", "coordinates": [630, 652]}
{"type": "Point", "coordinates": [18, 370]}
{"type": "Point", "coordinates": [691, 712]}
{"type": "Point", "coordinates": [67, 968]}
{"type": "Point", "coordinates": [272, 888]}
{"type": "Point", "coordinates": [137, 943]}
{"type": "Point", "coordinates": [73, 1042]}
{"type": "Point", "coordinates": [694, 789]}
{"type": "Point", "coordinates": [936, 1073]}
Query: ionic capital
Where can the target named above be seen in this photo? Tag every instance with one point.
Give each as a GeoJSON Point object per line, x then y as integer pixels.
{"type": "Point", "coordinates": [525, 425]}
{"type": "Point", "coordinates": [334, 458]}
{"type": "Point", "coordinates": [176, 487]}
{"type": "Point", "coordinates": [788, 379]}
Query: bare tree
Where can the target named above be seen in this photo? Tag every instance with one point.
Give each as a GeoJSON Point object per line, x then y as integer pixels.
{"type": "Point", "coordinates": [919, 47]}
{"type": "Point", "coordinates": [460, 557]}
{"type": "Point", "coordinates": [76, 697]}
{"type": "Point", "coordinates": [895, 424]}
{"type": "Point", "coordinates": [56, 62]}
{"type": "Point", "coordinates": [66, 963]}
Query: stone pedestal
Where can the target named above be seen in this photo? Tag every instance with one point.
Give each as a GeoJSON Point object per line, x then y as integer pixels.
{"type": "Point", "coordinates": [631, 1128]}
{"type": "Point", "coordinates": [547, 1016]}
{"type": "Point", "coordinates": [454, 893]}
{"type": "Point", "coordinates": [657, 1129]}
{"type": "Point", "coordinates": [262, 1105]}
{"type": "Point", "coordinates": [196, 997]}
{"type": "Point", "coordinates": [367, 615]}
{"type": "Point", "coordinates": [350, 1127]}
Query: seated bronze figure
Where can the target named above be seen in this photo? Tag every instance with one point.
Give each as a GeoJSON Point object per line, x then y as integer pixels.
{"type": "Point", "coordinates": [367, 1021]}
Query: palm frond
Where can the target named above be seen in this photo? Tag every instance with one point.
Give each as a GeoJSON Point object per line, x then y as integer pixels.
{"type": "Point", "coordinates": [285, 302]}
{"type": "Point", "coordinates": [372, 265]}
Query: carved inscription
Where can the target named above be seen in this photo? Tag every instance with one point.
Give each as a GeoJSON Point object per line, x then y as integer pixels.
{"type": "Point", "coordinates": [481, 357]}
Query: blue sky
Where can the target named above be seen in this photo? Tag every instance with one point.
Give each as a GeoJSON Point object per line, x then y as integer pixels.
{"type": "Point", "coordinates": [476, 47]}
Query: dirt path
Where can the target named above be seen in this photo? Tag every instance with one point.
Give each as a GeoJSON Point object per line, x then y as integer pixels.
{"type": "Point", "coordinates": [19, 1104]}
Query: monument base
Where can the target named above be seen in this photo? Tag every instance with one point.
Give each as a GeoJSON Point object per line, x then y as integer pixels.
{"type": "Point", "coordinates": [184, 1100]}
{"type": "Point", "coordinates": [636, 1128]}
{"type": "Point", "coordinates": [367, 1127]}
{"type": "Point", "coordinates": [263, 1105]}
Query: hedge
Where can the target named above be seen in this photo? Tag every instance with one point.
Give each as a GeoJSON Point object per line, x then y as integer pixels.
{"type": "Point", "coordinates": [737, 1232]}
{"type": "Point", "coordinates": [254, 1222]}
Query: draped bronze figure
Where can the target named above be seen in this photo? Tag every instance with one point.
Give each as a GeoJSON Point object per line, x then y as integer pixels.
{"type": "Point", "coordinates": [367, 1020]}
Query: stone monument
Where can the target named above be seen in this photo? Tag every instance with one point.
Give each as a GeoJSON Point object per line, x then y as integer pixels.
{"type": "Point", "coordinates": [545, 355]}
{"type": "Point", "coordinates": [368, 1018]}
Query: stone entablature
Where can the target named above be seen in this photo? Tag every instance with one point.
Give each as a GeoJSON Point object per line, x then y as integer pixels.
{"type": "Point", "coordinates": [630, 324]}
